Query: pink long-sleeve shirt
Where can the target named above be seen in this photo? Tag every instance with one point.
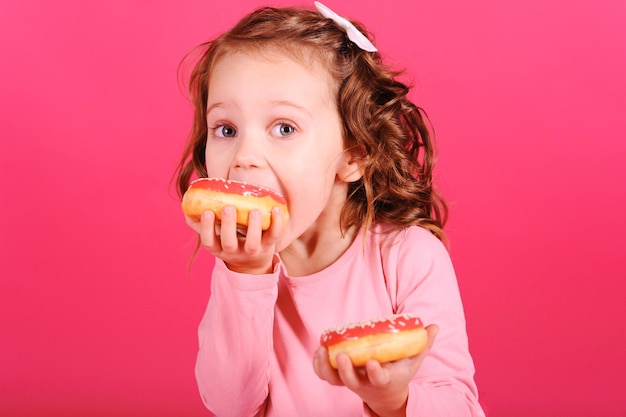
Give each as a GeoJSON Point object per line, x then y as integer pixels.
{"type": "Point", "coordinates": [259, 332]}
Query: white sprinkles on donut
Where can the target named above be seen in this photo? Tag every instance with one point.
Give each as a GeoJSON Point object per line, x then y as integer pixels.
{"type": "Point", "coordinates": [352, 331]}
{"type": "Point", "coordinates": [248, 190]}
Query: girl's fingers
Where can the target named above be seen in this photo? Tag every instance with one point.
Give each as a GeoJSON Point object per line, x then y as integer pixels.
{"type": "Point", "coordinates": [207, 229]}
{"type": "Point", "coordinates": [192, 223]}
{"type": "Point", "coordinates": [322, 367]}
{"type": "Point", "coordinates": [228, 229]}
{"type": "Point", "coordinates": [248, 250]}
{"type": "Point", "coordinates": [377, 375]}
{"type": "Point", "coordinates": [432, 331]}
{"type": "Point", "coordinates": [349, 375]}
{"type": "Point", "coordinates": [254, 232]}
{"type": "Point", "coordinates": [272, 235]}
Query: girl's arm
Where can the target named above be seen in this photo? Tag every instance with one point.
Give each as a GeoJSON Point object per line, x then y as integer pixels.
{"type": "Point", "coordinates": [439, 382]}
{"type": "Point", "coordinates": [235, 336]}
{"type": "Point", "coordinates": [426, 285]}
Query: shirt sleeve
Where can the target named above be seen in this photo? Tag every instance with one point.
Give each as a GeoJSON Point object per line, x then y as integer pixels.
{"type": "Point", "coordinates": [425, 284]}
{"type": "Point", "coordinates": [235, 338]}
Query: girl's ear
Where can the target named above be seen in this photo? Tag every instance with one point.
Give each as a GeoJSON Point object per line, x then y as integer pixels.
{"type": "Point", "coordinates": [351, 168]}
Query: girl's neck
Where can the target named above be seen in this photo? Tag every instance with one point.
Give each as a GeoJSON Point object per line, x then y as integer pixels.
{"type": "Point", "coordinates": [323, 242]}
{"type": "Point", "coordinates": [316, 250]}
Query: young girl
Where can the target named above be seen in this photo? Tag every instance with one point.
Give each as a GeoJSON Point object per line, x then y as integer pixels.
{"type": "Point", "coordinates": [301, 102]}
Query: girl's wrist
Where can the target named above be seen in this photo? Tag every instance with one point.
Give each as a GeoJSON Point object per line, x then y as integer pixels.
{"type": "Point", "coordinates": [392, 406]}
{"type": "Point", "coordinates": [255, 269]}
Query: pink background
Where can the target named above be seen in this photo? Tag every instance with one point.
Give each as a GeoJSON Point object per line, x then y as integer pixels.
{"type": "Point", "coordinates": [98, 312]}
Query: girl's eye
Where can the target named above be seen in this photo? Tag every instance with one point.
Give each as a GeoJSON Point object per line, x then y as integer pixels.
{"type": "Point", "coordinates": [225, 131]}
{"type": "Point", "coordinates": [283, 130]}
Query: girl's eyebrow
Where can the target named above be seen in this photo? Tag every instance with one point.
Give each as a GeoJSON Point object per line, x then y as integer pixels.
{"type": "Point", "coordinates": [274, 103]}
{"type": "Point", "coordinates": [290, 104]}
{"type": "Point", "coordinates": [214, 106]}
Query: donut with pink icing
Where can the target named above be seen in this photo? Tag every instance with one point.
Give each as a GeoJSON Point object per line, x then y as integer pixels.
{"type": "Point", "coordinates": [384, 340]}
{"type": "Point", "coordinates": [215, 193]}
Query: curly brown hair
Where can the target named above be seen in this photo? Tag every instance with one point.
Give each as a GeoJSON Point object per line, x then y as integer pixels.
{"type": "Point", "coordinates": [392, 136]}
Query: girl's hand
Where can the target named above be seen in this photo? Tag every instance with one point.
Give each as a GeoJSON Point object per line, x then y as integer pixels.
{"type": "Point", "coordinates": [383, 387]}
{"type": "Point", "coordinates": [249, 254]}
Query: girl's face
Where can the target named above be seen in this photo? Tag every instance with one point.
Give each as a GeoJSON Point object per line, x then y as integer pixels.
{"type": "Point", "coordinates": [274, 122]}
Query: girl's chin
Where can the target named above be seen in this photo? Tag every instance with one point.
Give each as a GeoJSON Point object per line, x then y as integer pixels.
{"type": "Point", "coordinates": [282, 245]}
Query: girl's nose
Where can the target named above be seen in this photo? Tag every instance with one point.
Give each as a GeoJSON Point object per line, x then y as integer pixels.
{"type": "Point", "coordinates": [248, 153]}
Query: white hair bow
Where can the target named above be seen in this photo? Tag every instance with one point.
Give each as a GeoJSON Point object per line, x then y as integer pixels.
{"type": "Point", "coordinates": [353, 33]}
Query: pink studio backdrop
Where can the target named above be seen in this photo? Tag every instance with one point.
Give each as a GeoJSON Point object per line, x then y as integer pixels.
{"type": "Point", "coordinates": [98, 311]}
